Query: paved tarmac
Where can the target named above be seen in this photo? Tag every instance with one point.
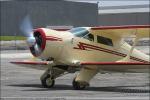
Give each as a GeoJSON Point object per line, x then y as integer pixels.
{"type": "Point", "coordinates": [19, 83]}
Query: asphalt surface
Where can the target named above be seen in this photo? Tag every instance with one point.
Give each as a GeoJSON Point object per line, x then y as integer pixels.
{"type": "Point", "coordinates": [19, 83]}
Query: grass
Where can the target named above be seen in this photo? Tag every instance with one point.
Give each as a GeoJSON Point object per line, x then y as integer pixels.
{"type": "Point", "coordinates": [9, 38]}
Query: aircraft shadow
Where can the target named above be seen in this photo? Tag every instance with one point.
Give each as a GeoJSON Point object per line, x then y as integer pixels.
{"type": "Point", "coordinates": [121, 89]}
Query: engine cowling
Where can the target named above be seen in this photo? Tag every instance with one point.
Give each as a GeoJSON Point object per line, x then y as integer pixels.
{"type": "Point", "coordinates": [40, 38]}
{"type": "Point", "coordinates": [48, 42]}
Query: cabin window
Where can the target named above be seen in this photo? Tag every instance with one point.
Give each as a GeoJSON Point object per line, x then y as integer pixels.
{"type": "Point", "coordinates": [79, 31]}
{"type": "Point", "coordinates": [104, 40]}
{"type": "Point", "coordinates": [90, 37]}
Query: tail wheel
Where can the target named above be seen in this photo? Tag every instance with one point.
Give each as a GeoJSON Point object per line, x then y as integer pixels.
{"type": "Point", "coordinates": [78, 85]}
{"type": "Point", "coordinates": [48, 81]}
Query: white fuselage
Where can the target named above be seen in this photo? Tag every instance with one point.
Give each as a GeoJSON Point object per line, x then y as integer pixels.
{"type": "Point", "coordinates": [70, 50]}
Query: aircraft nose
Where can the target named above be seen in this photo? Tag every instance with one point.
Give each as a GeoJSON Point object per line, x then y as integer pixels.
{"type": "Point", "coordinates": [37, 43]}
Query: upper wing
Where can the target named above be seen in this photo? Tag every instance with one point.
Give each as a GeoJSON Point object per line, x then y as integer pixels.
{"type": "Point", "coordinates": [141, 31]}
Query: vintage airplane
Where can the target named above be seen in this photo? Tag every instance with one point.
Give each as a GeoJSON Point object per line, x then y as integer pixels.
{"type": "Point", "coordinates": [88, 50]}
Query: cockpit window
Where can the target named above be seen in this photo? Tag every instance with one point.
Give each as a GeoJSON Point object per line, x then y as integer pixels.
{"type": "Point", "coordinates": [79, 31]}
{"type": "Point", "coordinates": [89, 37]}
{"type": "Point", "coordinates": [104, 40]}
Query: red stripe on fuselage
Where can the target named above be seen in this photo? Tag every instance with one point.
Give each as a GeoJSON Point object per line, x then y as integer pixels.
{"type": "Point", "coordinates": [89, 46]}
{"type": "Point", "coordinates": [52, 38]}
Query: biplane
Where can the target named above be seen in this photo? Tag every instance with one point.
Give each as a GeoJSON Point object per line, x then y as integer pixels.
{"type": "Point", "coordinates": [89, 50]}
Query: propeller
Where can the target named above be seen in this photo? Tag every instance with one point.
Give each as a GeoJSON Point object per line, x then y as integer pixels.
{"type": "Point", "coordinates": [27, 29]}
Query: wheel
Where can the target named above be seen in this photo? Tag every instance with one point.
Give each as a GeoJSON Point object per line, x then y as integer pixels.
{"type": "Point", "coordinates": [48, 81]}
{"type": "Point", "coordinates": [78, 85]}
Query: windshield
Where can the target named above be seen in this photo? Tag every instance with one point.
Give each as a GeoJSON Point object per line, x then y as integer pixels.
{"type": "Point", "coordinates": [79, 31]}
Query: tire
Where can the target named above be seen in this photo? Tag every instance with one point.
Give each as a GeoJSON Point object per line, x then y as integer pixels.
{"type": "Point", "coordinates": [48, 82]}
{"type": "Point", "coordinates": [77, 85]}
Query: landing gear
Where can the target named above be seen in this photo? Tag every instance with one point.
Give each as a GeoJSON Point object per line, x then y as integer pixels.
{"type": "Point", "coordinates": [48, 81]}
{"type": "Point", "coordinates": [79, 85]}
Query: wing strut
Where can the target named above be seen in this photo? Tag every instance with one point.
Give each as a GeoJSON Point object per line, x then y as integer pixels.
{"type": "Point", "coordinates": [127, 58]}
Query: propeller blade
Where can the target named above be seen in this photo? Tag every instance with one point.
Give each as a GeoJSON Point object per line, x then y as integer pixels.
{"type": "Point", "coordinates": [26, 27]}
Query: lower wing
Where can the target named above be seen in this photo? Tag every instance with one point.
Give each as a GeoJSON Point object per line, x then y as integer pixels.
{"type": "Point", "coordinates": [106, 66]}
{"type": "Point", "coordinates": [41, 65]}
{"type": "Point", "coordinates": [118, 66]}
